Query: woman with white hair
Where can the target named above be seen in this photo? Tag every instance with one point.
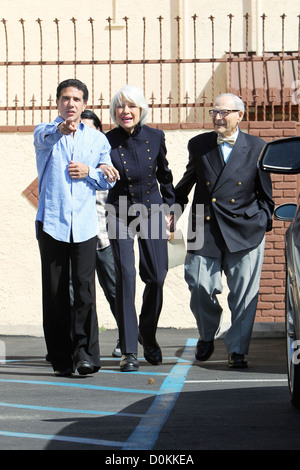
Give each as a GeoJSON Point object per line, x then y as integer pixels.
{"type": "Point", "coordinates": [138, 205]}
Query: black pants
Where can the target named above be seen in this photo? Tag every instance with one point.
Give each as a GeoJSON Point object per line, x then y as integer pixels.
{"type": "Point", "coordinates": [105, 268]}
{"type": "Point", "coordinates": [70, 334]}
{"type": "Point", "coordinates": [153, 267]}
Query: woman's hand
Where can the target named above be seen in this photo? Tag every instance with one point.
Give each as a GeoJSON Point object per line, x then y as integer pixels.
{"type": "Point", "coordinates": [109, 172]}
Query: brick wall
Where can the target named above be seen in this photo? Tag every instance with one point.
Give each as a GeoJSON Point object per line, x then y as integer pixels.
{"type": "Point", "coordinates": [271, 305]}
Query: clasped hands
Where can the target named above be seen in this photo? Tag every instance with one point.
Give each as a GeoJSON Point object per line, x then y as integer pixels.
{"type": "Point", "coordinates": [170, 225]}
{"type": "Point", "coordinates": [78, 170]}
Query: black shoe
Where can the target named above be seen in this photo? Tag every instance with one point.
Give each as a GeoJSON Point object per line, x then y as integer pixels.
{"type": "Point", "coordinates": [152, 354]}
{"type": "Point", "coordinates": [237, 361]}
{"type": "Point", "coordinates": [85, 368]}
{"type": "Point", "coordinates": [204, 350]}
{"type": "Point", "coordinates": [63, 373]}
{"type": "Point", "coordinates": [152, 351]}
{"type": "Point", "coordinates": [129, 363]}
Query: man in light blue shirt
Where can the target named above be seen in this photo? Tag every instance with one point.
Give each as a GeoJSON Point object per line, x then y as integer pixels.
{"type": "Point", "coordinates": [73, 162]}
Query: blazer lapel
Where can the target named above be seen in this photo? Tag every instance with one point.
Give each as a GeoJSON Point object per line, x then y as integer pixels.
{"type": "Point", "coordinates": [215, 157]}
{"type": "Point", "coordinates": [235, 160]}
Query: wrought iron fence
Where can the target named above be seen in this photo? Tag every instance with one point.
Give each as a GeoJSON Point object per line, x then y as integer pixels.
{"type": "Point", "coordinates": [269, 83]}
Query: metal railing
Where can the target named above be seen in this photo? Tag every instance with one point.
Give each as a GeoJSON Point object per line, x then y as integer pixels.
{"type": "Point", "coordinates": [243, 72]}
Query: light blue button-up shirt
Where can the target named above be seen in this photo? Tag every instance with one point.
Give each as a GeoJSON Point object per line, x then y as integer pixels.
{"type": "Point", "coordinates": [68, 206]}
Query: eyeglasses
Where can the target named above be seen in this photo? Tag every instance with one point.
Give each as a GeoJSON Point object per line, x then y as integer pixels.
{"type": "Point", "coordinates": [222, 112]}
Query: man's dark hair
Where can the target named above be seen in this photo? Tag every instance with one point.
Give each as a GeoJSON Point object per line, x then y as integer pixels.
{"type": "Point", "coordinates": [88, 114]}
{"type": "Point", "coordinates": [73, 82]}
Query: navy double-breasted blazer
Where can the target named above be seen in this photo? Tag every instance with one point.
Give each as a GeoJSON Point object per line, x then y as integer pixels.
{"type": "Point", "coordinates": [145, 177]}
{"type": "Point", "coordinates": [237, 197]}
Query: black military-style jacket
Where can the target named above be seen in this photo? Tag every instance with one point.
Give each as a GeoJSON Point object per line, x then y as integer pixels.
{"type": "Point", "coordinates": [145, 177]}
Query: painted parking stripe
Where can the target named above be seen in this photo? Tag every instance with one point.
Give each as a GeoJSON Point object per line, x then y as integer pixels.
{"type": "Point", "coordinates": [86, 386]}
{"type": "Point", "coordinates": [70, 410]}
{"type": "Point", "coordinates": [53, 437]}
{"type": "Point", "coordinates": [146, 433]}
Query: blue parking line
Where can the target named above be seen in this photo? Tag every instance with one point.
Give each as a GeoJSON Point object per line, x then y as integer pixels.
{"type": "Point", "coordinates": [86, 386]}
{"type": "Point", "coordinates": [69, 410]}
{"type": "Point", "coordinates": [54, 437]}
{"type": "Point", "coordinates": [146, 433]}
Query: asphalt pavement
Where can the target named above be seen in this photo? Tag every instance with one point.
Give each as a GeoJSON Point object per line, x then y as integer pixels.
{"type": "Point", "coordinates": [178, 408]}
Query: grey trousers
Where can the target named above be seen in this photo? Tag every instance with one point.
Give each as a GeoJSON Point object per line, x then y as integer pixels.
{"type": "Point", "coordinates": [204, 278]}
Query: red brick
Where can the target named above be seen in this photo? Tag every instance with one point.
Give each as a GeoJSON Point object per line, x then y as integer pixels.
{"type": "Point", "coordinates": [290, 178]}
{"type": "Point", "coordinates": [267, 275]}
{"type": "Point", "coordinates": [277, 192]}
{"type": "Point", "coordinates": [289, 132]}
{"type": "Point", "coordinates": [276, 177]}
{"type": "Point", "coordinates": [255, 132]}
{"type": "Point", "coordinates": [25, 128]}
{"type": "Point", "coordinates": [8, 128]}
{"type": "Point", "coordinates": [267, 290]}
{"type": "Point", "coordinates": [273, 237]}
{"type": "Point", "coordinates": [279, 306]}
{"type": "Point", "coordinates": [280, 230]}
{"type": "Point", "coordinates": [270, 253]}
{"type": "Point", "coordinates": [271, 282]}
{"type": "Point", "coordinates": [280, 275]}
{"type": "Point", "coordinates": [260, 125]}
{"type": "Point", "coordinates": [270, 298]}
{"type": "Point", "coordinates": [273, 267]}
{"type": "Point", "coordinates": [291, 193]}
{"type": "Point", "coordinates": [281, 185]}
{"type": "Point", "coordinates": [284, 124]}
{"type": "Point", "coordinates": [276, 133]}
{"type": "Point", "coordinates": [267, 319]}
{"type": "Point", "coordinates": [281, 200]}
{"type": "Point", "coordinates": [280, 290]}
{"type": "Point", "coordinates": [264, 305]}
{"type": "Point", "coordinates": [279, 245]}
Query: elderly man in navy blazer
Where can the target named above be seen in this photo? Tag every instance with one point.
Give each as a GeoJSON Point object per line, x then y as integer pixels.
{"type": "Point", "coordinates": [237, 201]}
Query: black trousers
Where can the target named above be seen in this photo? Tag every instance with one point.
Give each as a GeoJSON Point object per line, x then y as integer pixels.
{"type": "Point", "coordinates": [71, 334]}
{"type": "Point", "coordinates": [153, 267]}
{"type": "Point", "coordinates": [105, 268]}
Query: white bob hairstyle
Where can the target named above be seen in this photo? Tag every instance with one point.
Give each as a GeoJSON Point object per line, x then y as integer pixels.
{"type": "Point", "coordinates": [132, 94]}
